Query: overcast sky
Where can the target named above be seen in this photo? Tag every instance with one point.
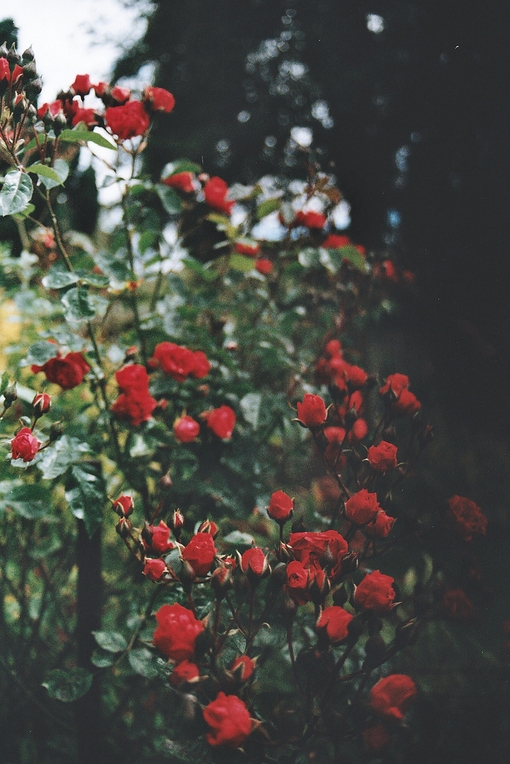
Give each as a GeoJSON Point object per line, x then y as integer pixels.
{"type": "Point", "coordinates": [72, 37]}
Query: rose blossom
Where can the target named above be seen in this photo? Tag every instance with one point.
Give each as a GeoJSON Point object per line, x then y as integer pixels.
{"type": "Point", "coordinates": [180, 180]}
{"type": "Point", "coordinates": [158, 99]}
{"type": "Point", "coordinates": [135, 407]}
{"type": "Point", "coordinates": [311, 219]}
{"type": "Point", "coordinates": [132, 377]}
{"type": "Point", "coordinates": [229, 721]}
{"type": "Point", "coordinates": [215, 193]}
{"type": "Point", "coordinates": [298, 579]}
{"type": "Point", "coordinates": [200, 553]}
{"type": "Point", "coordinates": [382, 457]}
{"type": "Point", "coordinates": [24, 445]}
{"type": "Point", "coordinates": [243, 667]}
{"type": "Point", "coordinates": [466, 517]}
{"type": "Point", "coordinates": [380, 526]}
{"type": "Point", "coordinates": [154, 569]}
{"type": "Point", "coordinates": [82, 85]}
{"type": "Point", "coordinates": [176, 632]}
{"type": "Point", "coordinates": [263, 266]}
{"type": "Point", "coordinates": [127, 121]}
{"type": "Point", "coordinates": [281, 507]}
{"type": "Point", "coordinates": [362, 507]}
{"type": "Point", "coordinates": [254, 562]}
{"type": "Point", "coordinates": [310, 548]}
{"type": "Point", "coordinates": [311, 410]}
{"type": "Point", "coordinates": [180, 362]}
{"type": "Point", "coordinates": [183, 673]}
{"type": "Point", "coordinates": [376, 592]}
{"type": "Point", "coordinates": [222, 421]}
{"type": "Point", "coordinates": [67, 371]}
{"type": "Point", "coordinates": [248, 249]}
{"type": "Point", "coordinates": [335, 621]}
{"type": "Point", "coordinates": [391, 696]}
{"type": "Point", "coordinates": [335, 242]}
{"type": "Point", "coordinates": [186, 429]}
{"type": "Point", "coordinates": [160, 538]}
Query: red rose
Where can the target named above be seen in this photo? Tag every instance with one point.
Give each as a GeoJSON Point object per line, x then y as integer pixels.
{"type": "Point", "coordinates": [24, 445]}
{"type": "Point", "coordinates": [51, 109]}
{"type": "Point", "coordinates": [132, 378]}
{"type": "Point", "coordinates": [182, 181]}
{"type": "Point", "coordinates": [134, 407]}
{"type": "Point", "coordinates": [67, 371]}
{"type": "Point", "coordinates": [200, 553]}
{"type": "Point", "coordinates": [186, 429]}
{"type": "Point", "coordinates": [310, 548]}
{"type": "Point", "coordinates": [176, 632]}
{"type": "Point", "coordinates": [406, 403]}
{"type": "Point", "coordinates": [380, 526]}
{"type": "Point", "coordinates": [358, 430]}
{"type": "Point", "coordinates": [215, 192]}
{"type": "Point", "coordinates": [160, 538]}
{"type": "Point", "coordinates": [201, 366]}
{"type": "Point", "coordinates": [5, 70]}
{"type": "Point", "coordinates": [244, 248]}
{"type": "Point", "coordinates": [335, 621]}
{"type": "Point", "coordinates": [333, 347]}
{"type": "Point", "coordinates": [243, 667]}
{"type": "Point", "coordinates": [229, 721]}
{"type": "Point", "coordinates": [120, 95]}
{"type": "Point", "coordinates": [154, 569]}
{"type": "Point", "coordinates": [335, 242]}
{"type": "Point", "coordinates": [41, 404]}
{"type": "Point", "coordinates": [391, 696]}
{"type": "Point", "coordinates": [82, 85]}
{"type": "Point", "coordinates": [263, 266]}
{"type": "Point", "coordinates": [355, 376]}
{"type": "Point", "coordinates": [184, 673]}
{"type": "Point", "coordinates": [124, 505]}
{"type": "Point", "coordinates": [89, 116]}
{"type": "Point", "coordinates": [281, 507]}
{"type": "Point", "coordinates": [311, 219]}
{"type": "Point", "coordinates": [180, 362]}
{"type": "Point", "coordinates": [312, 410]}
{"type": "Point", "coordinates": [298, 579]}
{"type": "Point", "coordinates": [362, 507]}
{"type": "Point", "coordinates": [375, 592]}
{"type": "Point", "coordinates": [127, 121]}
{"type": "Point", "coordinates": [254, 562]}
{"type": "Point", "coordinates": [382, 457]}
{"type": "Point", "coordinates": [222, 421]}
{"type": "Point", "coordinates": [395, 383]}
{"type": "Point", "coordinates": [457, 605]}
{"type": "Point", "coordinates": [158, 99]}
{"type": "Point", "coordinates": [466, 517]}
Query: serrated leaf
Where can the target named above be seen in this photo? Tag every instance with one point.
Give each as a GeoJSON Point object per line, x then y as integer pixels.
{"type": "Point", "coordinates": [78, 305]}
{"type": "Point", "coordinates": [58, 278]}
{"type": "Point", "coordinates": [41, 351]}
{"type": "Point", "coordinates": [85, 494]}
{"type": "Point", "coordinates": [241, 263]}
{"type": "Point", "coordinates": [68, 685]}
{"type": "Point", "coordinates": [79, 134]}
{"type": "Point", "coordinates": [30, 501]}
{"type": "Point", "coordinates": [57, 458]}
{"type": "Point", "coordinates": [111, 641]}
{"type": "Point", "coordinates": [250, 406]}
{"type": "Point", "coordinates": [266, 207]}
{"type": "Point", "coordinates": [47, 172]}
{"type": "Point", "coordinates": [16, 192]}
{"type": "Point", "coordinates": [143, 662]}
{"type": "Point", "coordinates": [169, 199]}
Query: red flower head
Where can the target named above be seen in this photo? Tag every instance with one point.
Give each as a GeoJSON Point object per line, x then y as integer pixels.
{"type": "Point", "coordinates": [124, 505]}
{"type": "Point", "coordinates": [160, 538]}
{"type": "Point", "coordinates": [312, 410]}
{"type": "Point", "coordinates": [243, 667]}
{"type": "Point", "coordinates": [311, 219]}
{"type": "Point", "coordinates": [263, 266]}
{"type": "Point", "coordinates": [120, 95]}
{"type": "Point", "coordinates": [215, 192]}
{"type": "Point", "coordinates": [154, 569]}
{"type": "Point", "coordinates": [281, 507]}
{"type": "Point", "coordinates": [466, 517]}
{"type": "Point", "coordinates": [382, 457]}
{"type": "Point", "coordinates": [254, 562]}
{"type": "Point", "coordinates": [395, 383]}
{"type": "Point", "coordinates": [67, 371]}
{"type": "Point", "coordinates": [311, 548]}
{"type": "Point", "coordinates": [82, 85]}
{"type": "Point", "coordinates": [199, 553]}
{"type": "Point", "coordinates": [89, 116]}
{"type": "Point", "coordinates": [158, 99]}
{"type": "Point", "coordinates": [222, 421]}
{"type": "Point", "coordinates": [183, 181]}
{"type": "Point", "coordinates": [186, 429]}
{"type": "Point", "coordinates": [132, 378]}
{"type": "Point", "coordinates": [391, 696]}
{"type": "Point", "coordinates": [180, 362]}
{"type": "Point", "coordinates": [334, 621]}
{"type": "Point", "coordinates": [184, 673]}
{"type": "Point", "coordinates": [298, 580]}
{"type": "Point", "coordinates": [248, 249]}
{"type": "Point", "coordinates": [201, 365]}
{"type": "Point", "coordinates": [380, 526]}
{"type": "Point", "coordinates": [51, 109]}
{"type": "Point", "coordinates": [41, 404]}
{"type": "Point", "coordinates": [362, 507]}
{"type": "Point", "coordinates": [358, 430]}
{"type": "Point", "coordinates": [229, 721]}
{"type": "Point", "coordinates": [335, 242]}
{"type": "Point", "coordinates": [376, 593]}
{"type": "Point", "coordinates": [127, 121]}
{"type": "Point", "coordinates": [176, 632]}
{"type": "Point", "coordinates": [134, 407]}
{"type": "Point", "coordinates": [5, 70]}
{"type": "Point", "coordinates": [24, 445]}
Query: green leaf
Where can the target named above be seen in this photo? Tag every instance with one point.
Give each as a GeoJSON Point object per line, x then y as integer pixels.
{"type": "Point", "coordinates": [4, 382]}
{"type": "Point", "coordinates": [196, 267]}
{"type": "Point", "coordinates": [62, 170]}
{"type": "Point", "coordinates": [56, 458]}
{"type": "Point", "coordinates": [111, 641]}
{"type": "Point", "coordinates": [68, 685]}
{"type": "Point", "coordinates": [355, 258]}
{"type": "Point", "coordinates": [180, 165]}
{"type": "Point", "coordinates": [85, 494]}
{"type": "Point", "coordinates": [79, 134]}
{"type": "Point", "coordinates": [92, 279]}
{"type": "Point", "coordinates": [78, 305]}
{"type": "Point", "coordinates": [30, 501]}
{"type": "Point", "coordinates": [58, 278]}
{"type": "Point", "coordinates": [41, 351]}
{"type": "Point", "coordinates": [223, 224]}
{"type": "Point", "coordinates": [102, 658]}
{"type": "Point", "coordinates": [143, 662]}
{"type": "Point", "coordinates": [114, 265]}
{"type": "Point", "coordinates": [266, 207]}
{"type": "Point", "coordinates": [24, 213]}
{"type": "Point", "coordinates": [169, 199]}
{"type": "Point", "coordinates": [309, 257]}
{"type": "Point", "coordinates": [46, 172]}
{"type": "Point", "coordinates": [241, 263]}
{"type": "Point", "coordinates": [16, 192]}
{"type": "Point", "coordinates": [147, 239]}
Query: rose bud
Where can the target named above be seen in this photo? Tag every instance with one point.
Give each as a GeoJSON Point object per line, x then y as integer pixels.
{"type": "Point", "coordinates": [281, 507]}
{"type": "Point", "coordinates": [243, 667]}
{"type": "Point", "coordinates": [158, 99]}
{"type": "Point", "coordinates": [200, 553]}
{"type": "Point", "coordinates": [209, 527]}
{"type": "Point", "coordinates": [255, 564]}
{"type": "Point", "coordinates": [390, 697]}
{"type": "Point", "coordinates": [185, 672]}
{"type": "Point", "coordinates": [334, 621]}
{"type": "Point", "coordinates": [229, 721]}
{"type": "Point", "coordinates": [10, 395]}
{"type": "Point", "coordinates": [221, 581]}
{"type": "Point", "coordinates": [382, 457]}
{"type": "Point", "coordinates": [124, 505]}
{"type": "Point", "coordinates": [222, 421]}
{"type": "Point", "coordinates": [375, 593]}
{"type": "Point", "coordinates": [177, 521]}
{"type": "Point", "coordinates": [186, 429]}
{"type": "Point", "coordinates": [41, 404]}
{"type": "Point", "coordinates": [154, 569]}
{"type": "Point", "coordinates": [311, 411]}
{"type": "Point", "coordinates": [24, 445]}
{"type": "Point", "coordinates": [82, 85]}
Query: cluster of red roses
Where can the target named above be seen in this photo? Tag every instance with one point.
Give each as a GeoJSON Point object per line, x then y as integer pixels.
{"type": "Point", "coordinates": [123, 116]}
